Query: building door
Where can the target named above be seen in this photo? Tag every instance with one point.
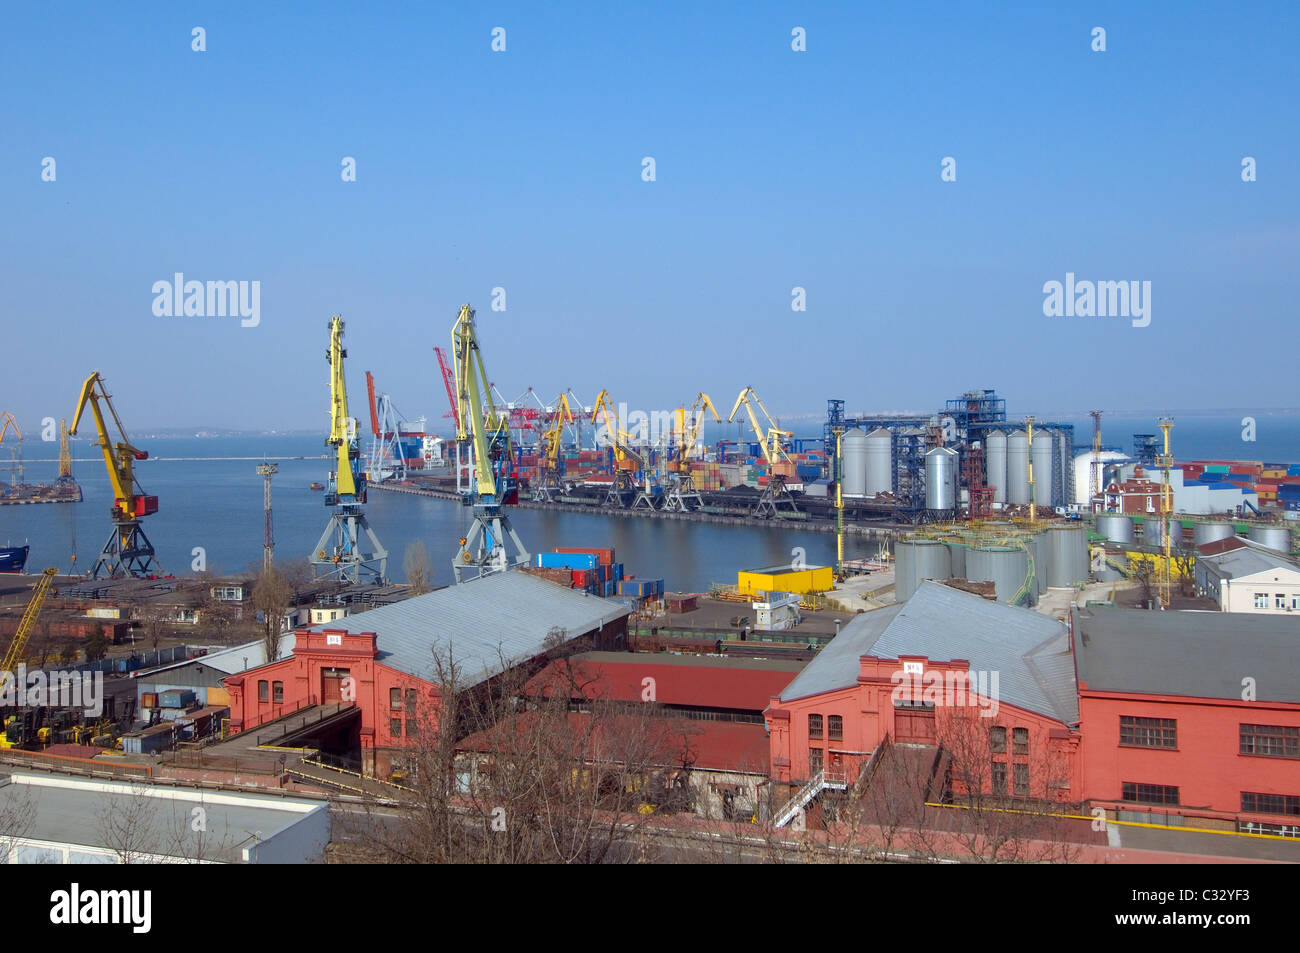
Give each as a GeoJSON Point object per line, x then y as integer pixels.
{"type": "Point", "coordinates": [331, 689]}
{"type": "Point", "coordinates": [914, 723]}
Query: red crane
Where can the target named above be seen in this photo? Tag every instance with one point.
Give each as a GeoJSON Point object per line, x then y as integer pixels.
{"type": "Point", "coordinates": [449, 379]}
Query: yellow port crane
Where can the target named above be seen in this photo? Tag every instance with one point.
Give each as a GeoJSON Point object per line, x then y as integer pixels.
{"type": "Point", "coordinates": [491, 544]}
{"type": "Point", "coordinates": [682, 493]}
{"type": "Point", "coordinates": [16, 467]}
{"type": "Point", "coordinates": [775, 500]}
{"type": "Point", "coordinates": [348, 549]}
{"type": "Point", "coordinates": [14, 654]}
{"type": "Point", "coordinates": [65, 453]}
{"type": "Point", "coordinates": [629, 464]}
{"type": "Point", "coordinates": [548, 462]}
{"type": "Point", "coordinates": [128, 551]}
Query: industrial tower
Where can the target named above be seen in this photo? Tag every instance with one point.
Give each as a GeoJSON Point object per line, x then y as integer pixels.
{"type": "Point", "coordinates": [128, 551]}
{"type": "Point", "coordinates": [342, 549]}
{"type": "Point", "coordinates": [490, 545]}
{"type": "Point", "coordinates": [267, 470]}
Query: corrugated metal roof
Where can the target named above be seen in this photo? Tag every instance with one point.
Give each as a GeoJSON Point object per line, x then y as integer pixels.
{"type": "Point", "coordinates": [1244, 561]}
{"type": "Point", "coordinates": [230, 661]}
{"type": "Point", "coordinates": [1197, 654]}
{"type": "Point", "coordinates": [505, 616]}
{"type": "Point", "coordinates": [1029, 651]}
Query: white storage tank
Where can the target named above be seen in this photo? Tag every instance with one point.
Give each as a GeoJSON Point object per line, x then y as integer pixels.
{"type": "Point", "coordinates": [916, 560]}
{"type": "Point", "coordinates": [853, 448]}
{"type": "Point", "coordinates": [941, 479]}
{"type": "Point", "coordinates": [995, 464]}
{"type": "Point", "coordinates": [1274, 537]}
{"type": "Point", "coordinates": [1116, 527]}
{"type": "Point", "coordinates": [1044, 454]}
{"type": "Point", "coordinates": [880, 462]}
{"type": "Point", "coordinates": [1017, 467]}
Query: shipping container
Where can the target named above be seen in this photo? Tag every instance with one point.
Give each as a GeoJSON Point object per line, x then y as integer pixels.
{"type": "Point", "coordinates": [567, 560]}
{"type": "Point", "coordinates": [179, 698]}
{"type": "Point", "coordinates": [606, 556]}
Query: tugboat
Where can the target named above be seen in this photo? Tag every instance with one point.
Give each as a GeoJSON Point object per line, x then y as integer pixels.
{"type": "Point", "coordinates": [13, 558]}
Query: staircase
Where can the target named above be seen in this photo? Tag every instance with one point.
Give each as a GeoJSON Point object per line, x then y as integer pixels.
{"type": "Point", "coordinates": [833, 781]}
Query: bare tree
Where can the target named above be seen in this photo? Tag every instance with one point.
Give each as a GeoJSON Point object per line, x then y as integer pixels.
{"type": "Point", "coordinates": [273, 597]}
{"type": "Point", "coordinates": [419, 574]}
{"type": "Point", "coordinates": [127, 825]}
{"type": "Point", "coordinates": [17, 817]}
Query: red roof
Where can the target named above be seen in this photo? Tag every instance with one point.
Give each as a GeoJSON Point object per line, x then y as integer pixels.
{"type": "Point", "coordinates": [1227, 544]}
{"type": "Point", "coordinates": [708, 683]}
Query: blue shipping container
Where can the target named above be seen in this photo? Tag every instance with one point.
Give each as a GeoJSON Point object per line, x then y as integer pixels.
{"type": "Point", "coordinates": [568, 560]}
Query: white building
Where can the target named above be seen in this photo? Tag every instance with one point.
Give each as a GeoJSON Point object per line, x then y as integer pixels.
{"type": "Point", "coordinates": [1250, 579]}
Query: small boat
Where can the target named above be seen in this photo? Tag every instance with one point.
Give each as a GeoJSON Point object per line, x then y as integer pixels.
{"type": "Point", "coordinates": [317, 486]}
{"type": "Point", "coordinates": [13, 558]}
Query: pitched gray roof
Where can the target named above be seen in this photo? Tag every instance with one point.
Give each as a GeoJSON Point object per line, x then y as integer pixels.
{"type": "Point", "coordinates": [504, 616]}
{"type": "Point", "coordinates": [1029, 651]}
{"type": "Point", "coordinates": [1198, 654]}
{"type": "Point", "coordinates": [1244, 562]}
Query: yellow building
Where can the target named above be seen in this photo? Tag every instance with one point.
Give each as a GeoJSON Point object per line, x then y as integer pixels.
{"type": "Point", "coordinates": [786, 579]}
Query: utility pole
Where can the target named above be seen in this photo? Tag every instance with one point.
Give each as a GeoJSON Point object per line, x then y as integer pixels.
{"type": "Point", "coordinates": [267, 470]}
{"type": "Point", "coordinates": [1164, 461]}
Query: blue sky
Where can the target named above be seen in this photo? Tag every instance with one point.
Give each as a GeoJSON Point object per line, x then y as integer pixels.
{"type": "Point", "coordinates": [775, 169]}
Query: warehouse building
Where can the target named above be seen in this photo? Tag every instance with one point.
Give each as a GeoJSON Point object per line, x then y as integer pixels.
{"type": "Point", "coordinates": [1250, 578]}
{"type": "Point", "coordinates": [66, 820]}
{"type": "Point", "coordinates": [385, 662]}
{"type": "Point", "coordinates": [920, 672]}
{"type": "Point", "coordinates": [1191, 718]}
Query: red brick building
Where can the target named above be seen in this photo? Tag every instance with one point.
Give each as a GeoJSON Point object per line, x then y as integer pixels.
{"type": "Point", "coordinates": [383, 661]}
{"type": "Point", "coordinates": [1191, 718]}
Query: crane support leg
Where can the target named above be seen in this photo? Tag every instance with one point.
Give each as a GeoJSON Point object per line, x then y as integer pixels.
{"type": "Point", "coordinates": [128, 552]}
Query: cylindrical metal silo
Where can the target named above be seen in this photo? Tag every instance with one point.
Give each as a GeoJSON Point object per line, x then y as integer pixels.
{"type": "Point", "coordinates": [1063, 487]}
{"type": "Point", "coordinates": [1274, 537]}
{"type": "Point", "coordinates": [1044, 454]}
{"type": "Point", "coordinates": [1042, 562]}
{"type": "Point", "coordinates": [1153, 533]}
{"type": "Point", "coordinates": [995, 464]}
{"type": "Point", "coordinates": [1004, 566]}
{"type": "Point", "coordinates": [880, 462]}
{"type": "Point", "coordinates": [853, 446]}
{"type": "Point", "coordinates": [1068, 562]}
{"type": "Point", "coordinates": [1211, 530]}
{"type": "Point", "coordinates": [1017, 467]}
{"type": "Point", "coordinates": [941, 479]}
{"type": "Point", "coordinates": [1116, 527]}
{"type": "Point", "coordinates": [916, 560]}
{"type": "Point", "coordinates": [957, 559]}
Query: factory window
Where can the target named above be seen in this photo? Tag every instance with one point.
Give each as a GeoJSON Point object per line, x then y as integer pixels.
{"type": "Point", "coordinates": [1020, 780]}
{"type": "Point", "coordinates": [1270, 741]}
{"type": "Point", "coordinates": [228, 593]}
{"type": "Point", "coordinates": [1020, 741]}
{"type": "Point", "coordinates": [814, 726]}
{"type": "Point", "coordinates": [395, 727]}
{"type": "Point", "coordinates": [1261, 600]}
{"type": "Point", "coordinates": [1277, 830]}
{"type": "Point", "coordinates": [411, 696]}
{"type": "Point", "coordinates": [999, 778]}
{"type": "Point", "coordinates": [1149, 793]}
{"type": "Point", "coordinates": [412, 728]}
{"type": "Point", "coordinates": [277, 693]}
{"type": "Point", "coordinates": [1148, 732]}
{"type": "Point", "coordinates": [261, 690]}
{"type": "Point", "coordinates": [395, 699]}
{"type": "Point", "coordinates": [814, 761]}
{"type": "Point", "coordinates": [1270, 803]}
{"type": "Point", "coordinates": [835, 728]}
{"type": "Point", "coordinates": [1279, 600]}
{"type": "Point", "coordinates": [998, 741]}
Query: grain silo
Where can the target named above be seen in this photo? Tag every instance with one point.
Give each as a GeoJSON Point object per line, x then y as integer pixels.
{"type": "Point", "coordinates": [880, 462]}
{"type": "Point", "coordinates": [916, 560]}
{"type": "Point", "coordinates": [995, 464]}
{"type": "Point", "coordinates": [1044, 457]}
{"type": "Point", "coordinates": [941, 479]}
{"type": "Point", "coordinates": [1017, 467]}
{"type": "Point", "coordinates": [853, 447]}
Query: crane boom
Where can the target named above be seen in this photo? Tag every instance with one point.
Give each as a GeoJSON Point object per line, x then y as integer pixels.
{"type": "Point", "coordinates": [343, 429]}
{"type": "Point", "coordinates": [129, 501]}
{"type": "Point", "coordinates": [14, 654]}
{"type": "Point", "coordinates": [769, 439]}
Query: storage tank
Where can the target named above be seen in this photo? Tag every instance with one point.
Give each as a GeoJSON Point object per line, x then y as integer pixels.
{"type": "Point", "coordinates": [879, 462]}
{"type": "Point", "coordinates": [1042, 562]}
{"type": "Point", "coordinates": [941, 479]}
{"type": "Point", "coordinates": [1063, 484]}
{"type": "Point", "coordinates": [1211, 530]}
{"type": "Point", "coordinates": [1044, 453]}
{"type": "Point", "coordinates": [1068, 562]}
{"type": "Point", "coordinates": [853, 448]}
{"type": "Point", "coordinates": [1004, 566]}
{"type": "Point", "coordinates": [957, 559]}
{"type": "Point", "coordinates": [1274, 537]}
{"type": "Point", "coordinates": [1116, 527]}
{"type": "Point", "coordinates": [1017, 467]}
{"type": "Point", "coordinates": [916, 560]}
{"type": "Point", "coordinates": [995, 464]}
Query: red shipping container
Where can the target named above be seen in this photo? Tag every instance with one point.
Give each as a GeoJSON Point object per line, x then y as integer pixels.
{"type": "Point", "coordinates": [606, 556]}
